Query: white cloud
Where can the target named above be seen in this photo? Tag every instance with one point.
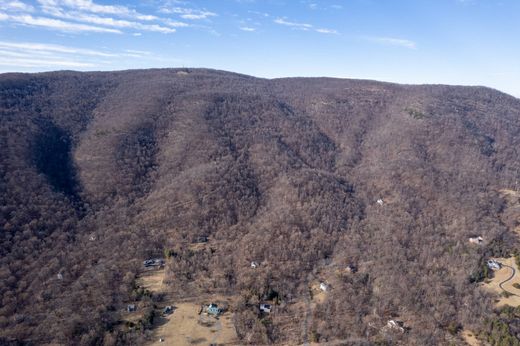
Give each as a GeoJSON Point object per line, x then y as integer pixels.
{"type": "Point", "coordinates": [15, 5]}
{"type": "Point", "coordinates": [189, 13]}
{"type": "Point", "coordinates": [38, 56]}
{"type": "Point", "coordinates": [246, 28]}
{"type": "Point", "coordinates": [38, 48]}
{"type": "Point", "coordinates": [392, 41]}
{"type": "Point", "coordinates": [304, 26]}
{"type": "Point", "coordinates": [90, 6]}
{"type": "Point", "coordinates": [301, 26]}
{"type": "Point", "coordinates": [326, 31]}
{"type": "Point", "coordinates": [27, 62]}
{"type": "Point", "coordinates": [107, 21]}
{"type": "Point", "coordinates": [56, 24]}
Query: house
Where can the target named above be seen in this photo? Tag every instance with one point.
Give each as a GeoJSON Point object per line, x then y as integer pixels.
{"type": "Point", "coordinates": [168, 310]}
{"type": "Point", "coordinates": [131, 307]}
{"type": "Point", "coordinates": [265, 308]}
{"type": "Point", "coordinates": [60, 276]}
{"type": "Point", "coordinates": [201, 239]}
{"type": "Point", "coordinates": [254, 265]}
{"type": "Point", "coordinates": [380, 201]}
{"type": "Point", "coordinates": [395, 325]}
{"type": "Point", "coordinates": [351, 268]}
{"type": "Point", "coordinates": [154, 262]}
{"type": "Point", "coordinates": [213, 309]}
{"type": "Point", "coordinates": [476, 240]}
{"type": "Point", "coordinates": [324, 287]}
{"type": "Point", "coordinates": [494, 264]}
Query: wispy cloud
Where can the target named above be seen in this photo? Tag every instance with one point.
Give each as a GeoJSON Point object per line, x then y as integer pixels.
{"type": "Point", "coordinates": [189, 13]}
{"type": "Point", "coordinates": [326, 31]}
{"type": "Point", "coordinates": [40, 55]}
{"type": "Point", "coordinates": [107, 21]}
{"type": "Point", "coordinates": [300, 26]}
{"type": "Point", "coordinates": [247, 28]}
{"type": "Point", "coordinates": [50, 23]}
{"type": "Point", "coordinates": [392, 41]}
{"type": "Point", "coordinates": [38, 48]}
{"type": "Point", "coordinates": [86, 16]}
{"type": "Point", "coordinates": [303, 26]}
{"type": "Point", "coordinates": [90, 6]}
{"type": "Point", "coordinates": [15, 5]}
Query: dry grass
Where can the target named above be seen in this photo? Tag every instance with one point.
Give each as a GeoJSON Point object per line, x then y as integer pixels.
{"type": "Point", "coordinates": [185, 326]}
{"type": "Point", "coordinates": [318, 296]}
{"type": "Point", "coordinates": [152, 280]}
{"type": "Point", "coordinates": [470, 338]}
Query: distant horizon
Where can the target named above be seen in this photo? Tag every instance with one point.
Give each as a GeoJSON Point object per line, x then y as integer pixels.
{"type": "Point", "coordinates": [449, 42]}
{"type": "Point", "coordinates": [268, 78]}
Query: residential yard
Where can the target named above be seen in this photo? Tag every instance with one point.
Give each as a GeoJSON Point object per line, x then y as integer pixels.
{"type": "Point", "coordinates": [185, 326]}
{"type": "Point", "coordinates": [502, 275]}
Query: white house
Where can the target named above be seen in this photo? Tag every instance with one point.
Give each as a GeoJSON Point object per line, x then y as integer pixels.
{"type": "Point", "coordinates": [265, 308]}
{"type": "Point", "coordinates": [254, 265]}
{"type": "Point", "coordinates": [395, 325]}
{"type": "Point", "coordinates": [324, 287]}
{"type": "Point", "coordinates": [380, 201]}
{"type": "Point", "coordinates": [494, 264]}
{"type": "Point", "coordinates": [476, 240]}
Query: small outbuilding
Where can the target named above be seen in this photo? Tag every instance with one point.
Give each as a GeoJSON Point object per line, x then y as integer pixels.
{"type": "Point", "coordinates": [131, 308]}
{"type": "Point", "coordinates": [324, 287]}
{"type": "Point", "coordinates": [201, 239]}
{"type": "Point", "coordinates": [395, 325]}
{"type": "Point", "coordinates": [254, 265]}
{"type": "Point", "coordinates": [380, 201]}
{"type": "Point", "coordinates": [476, 240]}
{"type": "Point", "coordinates": [168, 310]}
{"type": "Point", "coordinates": [153, 262]}
{"type": "Point", "coordinates": [213, 309]}
{"type": "Point", "coordinates": [265, 308]}
{"type": "Point", "coordinates": [351, 268]}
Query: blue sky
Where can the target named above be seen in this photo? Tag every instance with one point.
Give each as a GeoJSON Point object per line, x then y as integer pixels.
{"type": "Point", "coordinates": [468, 42]}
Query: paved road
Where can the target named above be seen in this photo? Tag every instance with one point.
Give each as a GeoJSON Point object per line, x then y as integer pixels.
{"type": "Point", "coordinates": [513, 272]}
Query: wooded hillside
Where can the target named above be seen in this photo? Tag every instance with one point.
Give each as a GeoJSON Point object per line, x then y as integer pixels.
{"type": "Point", "coordinates": [99, 171]}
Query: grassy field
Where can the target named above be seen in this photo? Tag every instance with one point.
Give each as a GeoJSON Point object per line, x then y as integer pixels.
{"type": "Point", "coordinates": [185, 326]}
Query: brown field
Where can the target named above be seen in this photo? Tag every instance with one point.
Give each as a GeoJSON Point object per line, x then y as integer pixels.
{"type": "Point", "coordinates": [185, 326]}
{"type": "Point", "coordinates": [470, 338]}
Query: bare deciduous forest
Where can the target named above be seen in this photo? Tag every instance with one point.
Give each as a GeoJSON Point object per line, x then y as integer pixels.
{"type": "Point", "coordinates": [99, 171]}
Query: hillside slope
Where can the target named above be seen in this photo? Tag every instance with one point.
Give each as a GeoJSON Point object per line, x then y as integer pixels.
{"type": "Point", "coordinates": [99, 171]}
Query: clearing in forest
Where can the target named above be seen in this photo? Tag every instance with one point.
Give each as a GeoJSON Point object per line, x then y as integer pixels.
{"type": "Point", "coordinates": [503, 281]}
{"type": "Point", "coordinates": [185, 326]}
{"type": "Point", "coordinates": [470, 338]}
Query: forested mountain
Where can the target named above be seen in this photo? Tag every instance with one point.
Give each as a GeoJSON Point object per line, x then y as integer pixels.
{"type": "Point", "coordinates": [99, 171]}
